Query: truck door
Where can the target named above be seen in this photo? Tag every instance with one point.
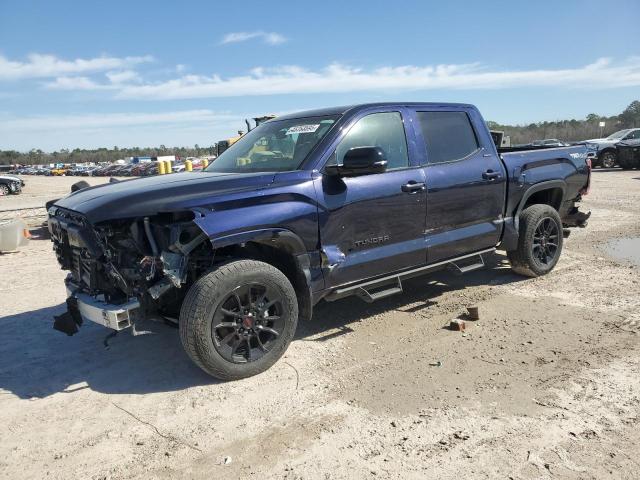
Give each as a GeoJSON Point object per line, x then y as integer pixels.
{"type": "Point", "coordinates": [373, 224]}
{"type": "Point", "coordinates": [466, 183]}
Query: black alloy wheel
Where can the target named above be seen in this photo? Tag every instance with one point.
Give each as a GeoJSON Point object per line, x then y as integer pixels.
{"type": "Point", "coordinates": [247, 323]}
{"type": "Point", "coordinates": [545, 241]}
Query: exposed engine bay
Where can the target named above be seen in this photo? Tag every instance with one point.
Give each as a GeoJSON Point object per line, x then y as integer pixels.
{"type": "Point", "coordinates": [151, 259]}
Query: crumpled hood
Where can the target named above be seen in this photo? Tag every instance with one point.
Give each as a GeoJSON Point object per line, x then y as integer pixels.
{"type": "Point", "coordinates": [162, 193]}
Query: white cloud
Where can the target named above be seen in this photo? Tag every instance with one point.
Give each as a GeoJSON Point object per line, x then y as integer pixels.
{"type": "Point", "coordinates": [77, 83]}
{"type": "Point", "coordinates": [336, 78]}
{"type": "Point", "coordinates": [113, 120]}
{"type": "Point", "coordinates": [125, 76]}
{"type": "Point", "coordinates": [270, 38]}
{"type": "Point", "coordinates": [42, 66]}
{"type": "Point", "coordinates": [52, 132]}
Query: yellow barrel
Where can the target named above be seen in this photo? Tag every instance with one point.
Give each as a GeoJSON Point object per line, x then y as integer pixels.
{"type": "Point", "coordinates": [188, 166]}
{"type": "Point", "coordinates": [167, 166]}
{"type": "Point", "coordinates": [161, 168]}
{"type": "Point", "coordinates": [205, 163]}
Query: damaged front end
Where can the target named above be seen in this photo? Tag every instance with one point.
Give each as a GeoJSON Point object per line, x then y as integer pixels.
{"type": "Point", "coordinates": [123, 271]}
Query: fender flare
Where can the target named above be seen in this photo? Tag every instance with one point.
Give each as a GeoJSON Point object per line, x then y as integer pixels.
{"type": "Point", "coordinates": [538, 187]}
{"type": "Point", "coordinates": [287, 241]}
{"type": "Point", "coordinates": [512, 225]}
{"type": "Point", "coordinates": [275, 237]}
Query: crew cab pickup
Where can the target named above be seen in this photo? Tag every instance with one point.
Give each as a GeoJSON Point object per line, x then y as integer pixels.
{"type": "Point", "coordinates": [310, 206]}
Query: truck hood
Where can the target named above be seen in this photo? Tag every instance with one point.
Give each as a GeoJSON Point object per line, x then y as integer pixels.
{"type": "Point", "coordinates": [161, 193]}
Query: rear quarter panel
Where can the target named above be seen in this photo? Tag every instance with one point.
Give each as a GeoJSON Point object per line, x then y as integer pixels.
{"type": "Point", "coordinates": [565, 165]}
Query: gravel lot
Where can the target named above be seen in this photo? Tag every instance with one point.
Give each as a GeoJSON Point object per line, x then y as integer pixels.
{"type": "Point", "coordinates": [40, 189]}
{"type": "Point", "coordinates": [545, 385]}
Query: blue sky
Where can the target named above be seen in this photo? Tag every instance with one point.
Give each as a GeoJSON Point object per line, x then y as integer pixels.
{"type": "Point", "coordinates": [141, 73]}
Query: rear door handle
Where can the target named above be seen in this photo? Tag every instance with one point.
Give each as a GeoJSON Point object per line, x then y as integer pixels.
{"type": "Point", "coordinates": [413, 187]}
{"type": "Point", "coordinates": [491, 175]}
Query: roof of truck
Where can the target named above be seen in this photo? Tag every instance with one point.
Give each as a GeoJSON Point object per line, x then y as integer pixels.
{"type": "Point", "coordinates": [320, 112]}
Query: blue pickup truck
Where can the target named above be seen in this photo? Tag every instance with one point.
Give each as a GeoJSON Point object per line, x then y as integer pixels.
{"type": "Point", "coordinates": [316, 205]}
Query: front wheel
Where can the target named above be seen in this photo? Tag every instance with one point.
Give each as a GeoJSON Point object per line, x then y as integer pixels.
{"type": "Point", "coordinates": [608, 160]}
{"type": "Point", "coordinates": [238, 320]}
{"type": "Point", "coordinates": [4, 189]}
{"type": "Point", "coordinates": [539, 242]}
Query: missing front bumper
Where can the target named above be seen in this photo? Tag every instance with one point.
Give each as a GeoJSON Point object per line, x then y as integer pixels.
{"type": "Point", "coordinates": [81, 307]}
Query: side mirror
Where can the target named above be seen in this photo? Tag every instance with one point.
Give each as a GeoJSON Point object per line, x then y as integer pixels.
{"type": "Point", "coordinates": [360, 161]}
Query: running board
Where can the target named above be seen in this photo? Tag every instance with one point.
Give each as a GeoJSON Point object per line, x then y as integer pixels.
{"type": "Point", "coordinates": [370, 297]}
{"type": "Point", "coordinates": [471, 267]}
{"type": "Point", "coordinates": [393, 283]}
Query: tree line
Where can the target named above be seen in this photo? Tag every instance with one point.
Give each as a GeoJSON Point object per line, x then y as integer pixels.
{"type": "Point", "coordinates": [572, 130]}
{"type": "Point", "coordinates": [566, 130]}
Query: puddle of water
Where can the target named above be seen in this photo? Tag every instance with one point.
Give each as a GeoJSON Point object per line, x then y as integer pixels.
{"type": "Point", "coordinates": [625, 249]}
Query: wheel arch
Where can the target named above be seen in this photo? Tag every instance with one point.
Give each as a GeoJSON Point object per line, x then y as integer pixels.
{"type": "Point", "coordinates": [279, 247]}
{"type": "Point", "coordinates": [610, 149]}
{"type": "Point", "coordinates": [549, 192]}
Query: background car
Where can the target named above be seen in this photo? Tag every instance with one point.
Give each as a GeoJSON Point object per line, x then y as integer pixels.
{"type": "Point", "coordinates": [607, 154]}
{"type": "Point", "coordinates": [10, 185]}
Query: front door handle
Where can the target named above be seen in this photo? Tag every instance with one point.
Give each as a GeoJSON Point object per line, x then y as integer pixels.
{"type": "Point", "coordinates": [413, 187]}
{"type": "Point", "coordinates": [491, 175]}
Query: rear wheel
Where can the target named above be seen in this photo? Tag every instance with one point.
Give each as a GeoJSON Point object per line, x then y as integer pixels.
{"type": "Point", "coordinates": [608, 160]}
{"type": "Point", "coordinates": [539, 242]}
{"type": "Point", "coordinates": [238, 320]}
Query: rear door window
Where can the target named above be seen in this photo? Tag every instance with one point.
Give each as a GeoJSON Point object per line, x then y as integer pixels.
{"type": "Point", "coordinates": [449, 136]}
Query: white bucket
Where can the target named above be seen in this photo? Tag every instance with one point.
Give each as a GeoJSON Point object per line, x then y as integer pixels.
{"type": "Point", "coordinates": [13, 234]}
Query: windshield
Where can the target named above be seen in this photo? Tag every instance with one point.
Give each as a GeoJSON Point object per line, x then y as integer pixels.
{"type": "Point", "coordinates": [274, 146]}
{"type": "Point", "coordinates": [617, 135]}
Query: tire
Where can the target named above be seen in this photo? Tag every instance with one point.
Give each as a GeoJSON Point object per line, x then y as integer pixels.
{"type": "Point", "coordinates": [4, 190]}
{"type": "Point", "coordinates": [79, 185]}
{"type": "Point", "coordinates": [608, 160]}
{"type": "Point", "coordinates": [217, 332]}
{"type": "Point", "coordinates": [535, 256]}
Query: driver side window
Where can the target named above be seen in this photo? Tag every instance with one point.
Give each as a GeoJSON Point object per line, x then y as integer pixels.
{"type": "Point", "coordinates": [384, 130]}
{"type": "Point", "coordinates": [633, 135]}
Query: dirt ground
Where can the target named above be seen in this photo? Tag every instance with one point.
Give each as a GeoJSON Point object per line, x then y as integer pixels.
{"type": "Point", "coordinates": [40, 189]}
{"type": "Point", "coordinates": [545, 385]}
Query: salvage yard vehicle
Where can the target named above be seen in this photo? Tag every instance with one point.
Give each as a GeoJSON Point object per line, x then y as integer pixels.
{"type": "Point", "coordinates": [10, 185]}
{"type": "Point", "coordinates": [59, 172]}
{"type": "Point", "coordinates": [310, 206]}
{"type": "Point", "coordinates": [629, 154]}
{"type": "Point", "coordinates": [606, 151]}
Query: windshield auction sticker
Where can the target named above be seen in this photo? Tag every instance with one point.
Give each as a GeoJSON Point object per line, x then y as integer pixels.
{"type": "Point", "coordinates": [302, 129]}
